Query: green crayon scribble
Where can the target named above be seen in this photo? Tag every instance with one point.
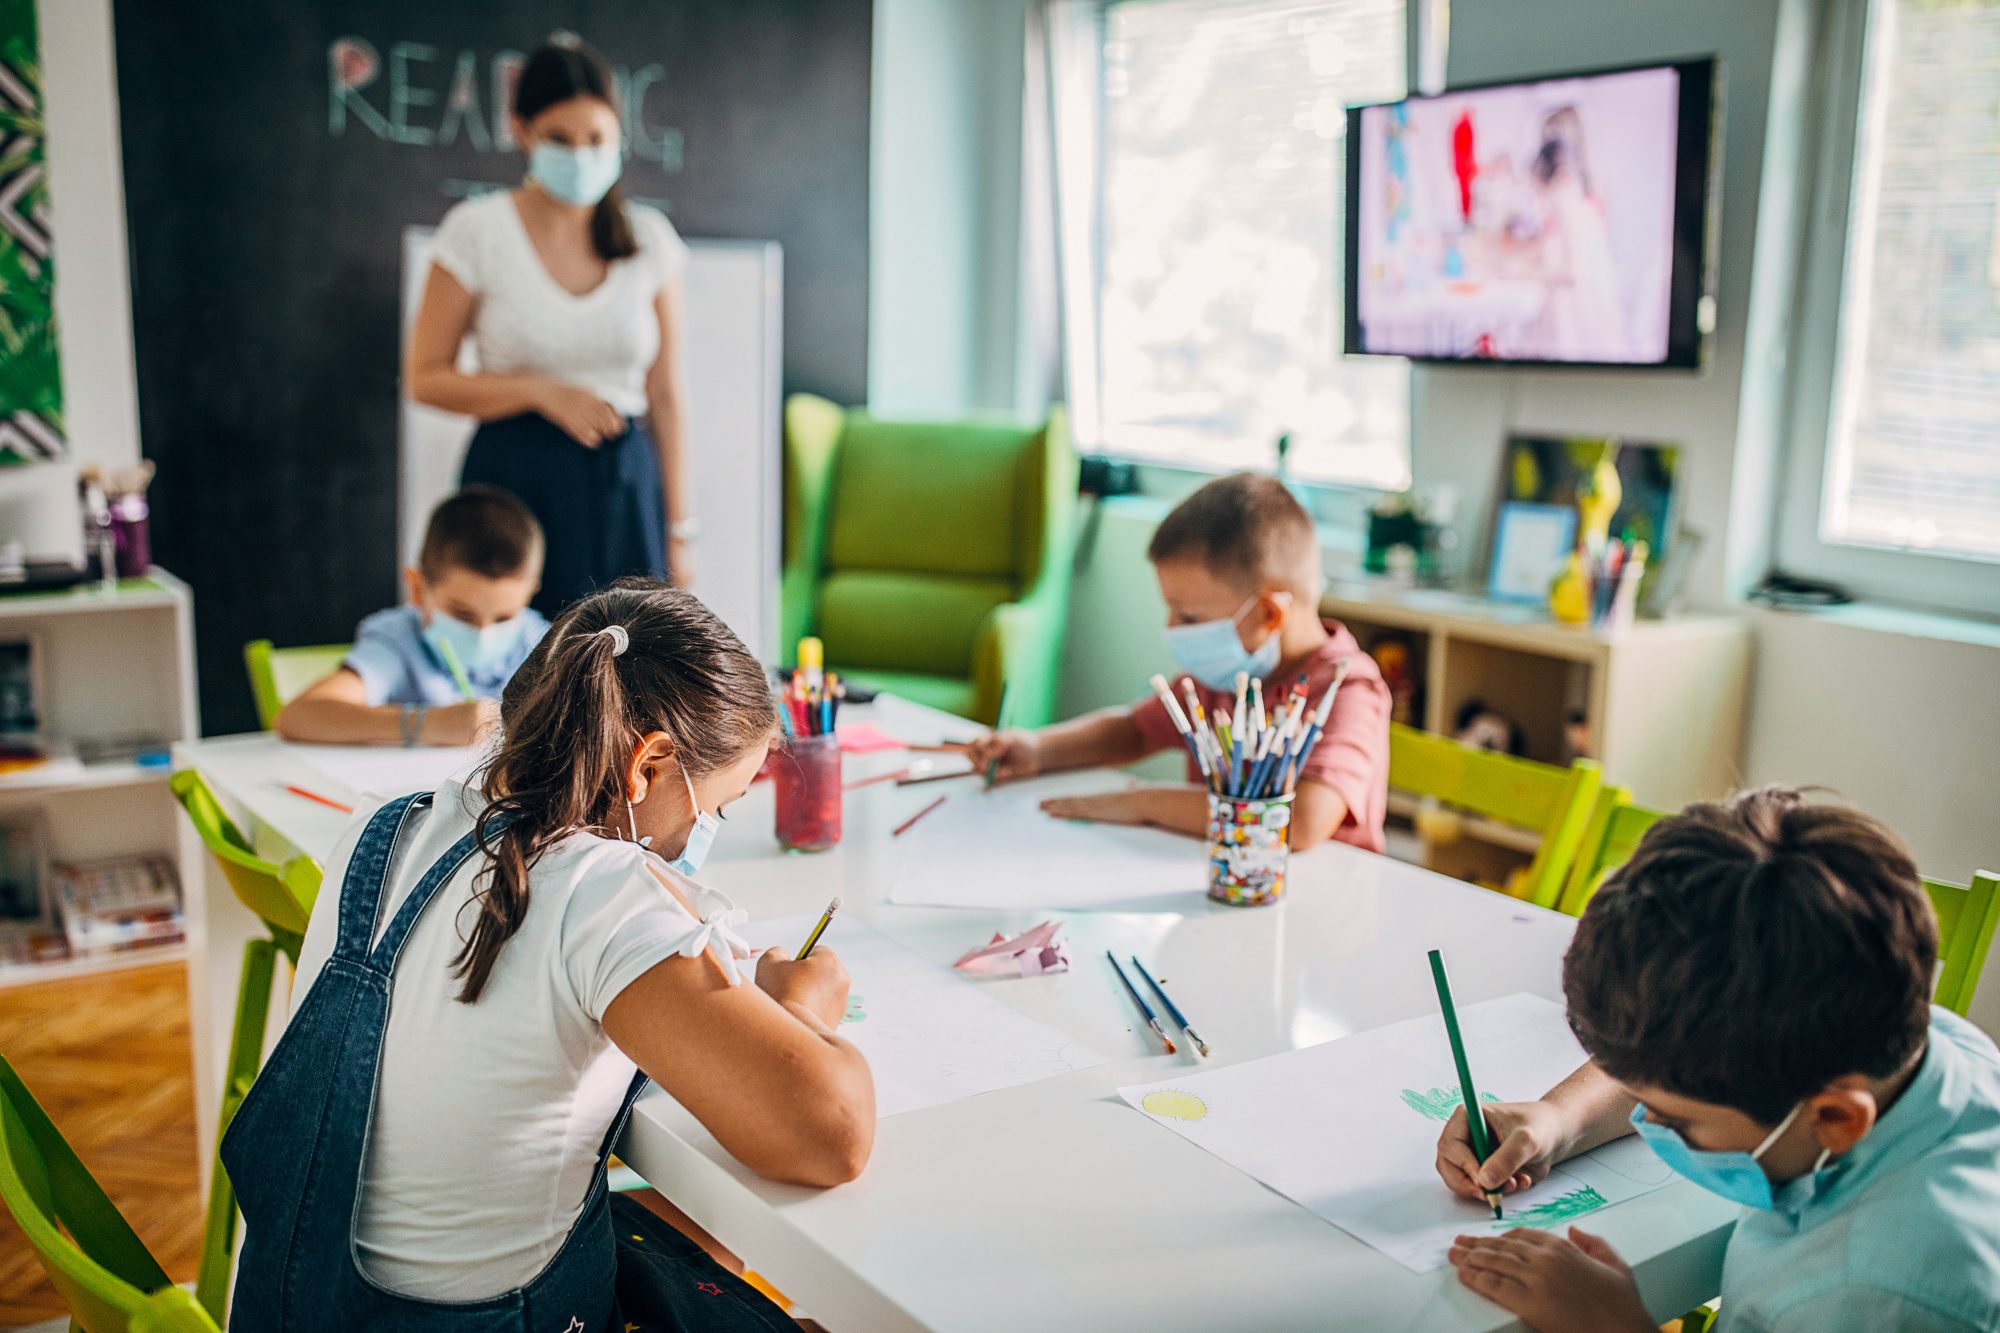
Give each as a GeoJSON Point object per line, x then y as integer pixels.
{"type": "Point", "coordinates": [1439, 1103]}
{"type": "Point", "coordinates": [1562, 1208]}
{"type": "Point", "coordinates": [855, 1013]}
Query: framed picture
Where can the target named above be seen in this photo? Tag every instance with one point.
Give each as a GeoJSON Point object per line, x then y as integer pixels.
{"type": "Point", "coordinates": [1550, 469]}
{"type": "Point", "coordinates": [1529, 544]}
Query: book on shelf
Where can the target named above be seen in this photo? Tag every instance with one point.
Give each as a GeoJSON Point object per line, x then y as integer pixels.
{"type": "Point", "coordinates": [120, 903]}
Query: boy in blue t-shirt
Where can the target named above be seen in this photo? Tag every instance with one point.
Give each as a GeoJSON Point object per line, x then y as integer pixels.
{"type": "Point", "coordinates": [1753, 988]}
{"type": "Point", "coordinates": [430, 672]}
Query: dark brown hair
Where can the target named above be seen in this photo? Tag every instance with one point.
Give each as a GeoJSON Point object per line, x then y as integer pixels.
{"type": "Point", "coordinates": [1752, 951]}
{"type": "Point", "coordinates": [555, 74]}
{"type": "Point", "coordinates": [1245, 527]}
{"type": "Point", "coordinates": [483, 529]}
{"type": "Point", "coordinates": [571, 716]}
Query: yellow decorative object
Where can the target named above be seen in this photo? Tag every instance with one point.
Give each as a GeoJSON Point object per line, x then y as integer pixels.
{"type": "Point", "coordinates": [1569, 595]}
{"type": "Point", "coordinates": [1598, 500]}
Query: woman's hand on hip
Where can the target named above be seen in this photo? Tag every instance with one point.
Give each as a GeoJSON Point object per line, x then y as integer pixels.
{"type": "Point", "coordinates": [579, 413]}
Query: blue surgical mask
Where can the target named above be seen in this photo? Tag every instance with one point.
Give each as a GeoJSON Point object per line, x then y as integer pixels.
{"type": "Point", "coordinates": [1212, 654]}
{"type": "Point", "coordinates": [700, 838]}
{"type": "Point", "coordinates": [479, 652]}
{"type": "Point", "coordinates": [1735, 1176]}
{"type": "Point", "coordinates": [580, 176]}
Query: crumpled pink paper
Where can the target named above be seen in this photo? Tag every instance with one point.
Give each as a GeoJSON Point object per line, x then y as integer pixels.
{"type": "Point", "coordinates": [1029, 954]}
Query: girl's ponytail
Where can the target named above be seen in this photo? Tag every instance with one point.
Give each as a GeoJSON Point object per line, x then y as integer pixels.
{"type": "Point", "coordinates": [571, 716]}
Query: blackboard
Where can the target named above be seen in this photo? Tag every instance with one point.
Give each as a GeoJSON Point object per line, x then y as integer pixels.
{"type": "Point", "coordinates": [274, 151]}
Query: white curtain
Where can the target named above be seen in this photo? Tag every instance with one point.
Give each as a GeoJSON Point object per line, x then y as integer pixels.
{"type": "Point", "coordinates": [1060, 160]}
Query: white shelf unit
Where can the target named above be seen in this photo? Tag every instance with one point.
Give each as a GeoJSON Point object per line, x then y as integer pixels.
{"type": "Point", "coordinates": [113, 666]}
{"type": "Point", "coordinates": [1664, 700]}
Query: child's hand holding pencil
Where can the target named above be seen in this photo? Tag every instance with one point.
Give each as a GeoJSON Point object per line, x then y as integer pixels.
{"type": "Point", "coordinates": [1013, 755]}
{"type": "Point", "coordinates": [1531, 1138]}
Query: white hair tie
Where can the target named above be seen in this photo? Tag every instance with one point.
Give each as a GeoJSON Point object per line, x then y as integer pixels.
{"type": "Point", "coordinates": [620, 640]}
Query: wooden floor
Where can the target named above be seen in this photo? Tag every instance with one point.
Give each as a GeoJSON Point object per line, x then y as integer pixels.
{"type": "Point", "coordinates": [108, 1057]}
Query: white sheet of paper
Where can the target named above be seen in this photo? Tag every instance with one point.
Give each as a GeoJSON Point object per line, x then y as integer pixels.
{"type": "Point", "coordinates": [388, 770]}
{"type": "Point", "coordinates": [997, 849]}
{"type": "Point", "coordinates": [1348, 1129]}
{"type": "Point", "coordinates": [931, 1035]}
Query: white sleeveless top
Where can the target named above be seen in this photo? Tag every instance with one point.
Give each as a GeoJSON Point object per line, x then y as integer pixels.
{"type": "Point", "coordinates": [525, 322]}
{"type": "Point", "coordinates": [488, 1116]}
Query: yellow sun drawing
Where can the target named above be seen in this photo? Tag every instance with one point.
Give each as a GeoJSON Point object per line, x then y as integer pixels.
{"type": "Point", "coordinates": [1174, 1104]}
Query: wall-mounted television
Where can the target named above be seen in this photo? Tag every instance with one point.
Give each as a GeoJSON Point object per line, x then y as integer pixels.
{"type": "Point", "coordinates": [1552, 221]}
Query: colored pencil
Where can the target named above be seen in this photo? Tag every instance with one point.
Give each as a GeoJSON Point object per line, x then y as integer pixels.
{"type": "Point", "coordinates": [999, 725]}
{"type": "Point", "coordinates": [1152, 1020]}
{"type": "Point", "coordinates": [457, 669]}
{"type": "Point", "coordinates": [1475, 1118]}
{"type": "Point", "coordinates": [921, 778]}
{"type": "Point", "coordinates": [327, 801]}
{"type": "Point", "coordinates": [1173, 1010]}
{"type": "Point", "coordinates": [904, 827]}
{"type": "Point", "coordinates": [826, 917]}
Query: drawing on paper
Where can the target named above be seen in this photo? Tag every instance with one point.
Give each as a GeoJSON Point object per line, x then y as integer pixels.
{"type": "Point", "coordinates": [855, 1013]}
{"type": "Point", "coordinates": [1439, 1103]}
{"type": "Point", "coordinates": [1174, 1104]}
{"type": "Point", "coordinates": [1563, 1208]}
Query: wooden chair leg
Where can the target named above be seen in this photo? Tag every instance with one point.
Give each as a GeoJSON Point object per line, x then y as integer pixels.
{"type": "Point", "coordinates": [246, 1056]}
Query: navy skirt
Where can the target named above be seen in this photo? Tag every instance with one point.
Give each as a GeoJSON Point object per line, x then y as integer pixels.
{"type": "Point", "coordinates": [602, 513]}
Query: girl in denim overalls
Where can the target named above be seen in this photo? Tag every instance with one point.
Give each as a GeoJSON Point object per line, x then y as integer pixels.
{"type": "Point", "coordinates": [483, 997]}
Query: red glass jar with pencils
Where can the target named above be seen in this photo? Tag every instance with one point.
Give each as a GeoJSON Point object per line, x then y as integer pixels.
{"type": "Point", "coordinates": [1249, 848]}
{"type": "Point", "coordinates": [806, 778]}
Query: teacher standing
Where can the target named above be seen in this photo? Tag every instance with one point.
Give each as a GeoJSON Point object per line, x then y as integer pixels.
{"type": "Point", "coordinates": [572, 297]}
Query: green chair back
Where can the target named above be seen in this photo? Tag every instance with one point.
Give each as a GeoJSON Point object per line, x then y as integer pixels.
{"type": "Point", "coordinates": [97, 1263]}
{"type": "Point", "coordinates": [281, 895]}
{"type": "Point", "coordinates": [1966, 917]}
{"type": "Point", "coordinates": [933, 558]}
{"type": "Point", "coordinates": [280, 675]}
{"type": "Point", "coordinates": [1613, 834]}
{"type": "Point", "coordinates": [1554, 803]}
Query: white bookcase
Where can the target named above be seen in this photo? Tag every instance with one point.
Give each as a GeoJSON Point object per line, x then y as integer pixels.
{"type": "Point", "coordinates": [113, 667]}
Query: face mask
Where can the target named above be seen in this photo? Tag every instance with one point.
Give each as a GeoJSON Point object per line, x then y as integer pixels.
{"type": "Point", "coordinates": [578, 176]}
{"type": "Point", "coordinates": [1212, 654]}
{"type": "Point", "coordinates": [1733, 1175]}
{"type": "Point", "coordinates": [482, 652]}
{"type": "Point", "coordinates": [700, 838]}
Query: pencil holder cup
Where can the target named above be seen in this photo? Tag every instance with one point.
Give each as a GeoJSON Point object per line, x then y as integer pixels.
{"type": "Point", "coordinates": [1249, 849]}
{"type": "Point", "coordinates": [806, 776]}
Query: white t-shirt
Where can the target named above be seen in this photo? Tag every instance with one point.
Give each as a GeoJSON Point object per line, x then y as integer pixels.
{"type": "Point", "coordinates": [525, 322]}
{"type": "Point", "coordinates": [488, 1116]}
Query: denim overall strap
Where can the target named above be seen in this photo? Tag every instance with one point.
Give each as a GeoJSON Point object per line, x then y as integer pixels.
{"type": "Point", "coordinates": [367, 875]}
{"type": "Point", "coordinates": [383, 958]}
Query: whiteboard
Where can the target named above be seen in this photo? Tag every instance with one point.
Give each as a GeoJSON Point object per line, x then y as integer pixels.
{"type": "Point", "coordinates": [731, 326]}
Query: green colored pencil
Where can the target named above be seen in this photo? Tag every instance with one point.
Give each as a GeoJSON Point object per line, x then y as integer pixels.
{"type": "Point", "coordinates": [999, 725]}
{"type": "Point", "coordinates": [1475, 1119]}
{"type": "Point", "coordinates": [457, 670]}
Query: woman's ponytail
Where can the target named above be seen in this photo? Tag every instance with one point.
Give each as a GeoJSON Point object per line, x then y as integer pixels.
{"type": "Point", "coordinates": [611, 228]}
{"type": "Point", "coordinates": [571, 717]}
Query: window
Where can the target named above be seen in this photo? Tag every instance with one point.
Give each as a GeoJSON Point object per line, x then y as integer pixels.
{"type": "Point", "coordinates": [1221, 171]}
{"type": "Point", "coordinates": [1900, 417]}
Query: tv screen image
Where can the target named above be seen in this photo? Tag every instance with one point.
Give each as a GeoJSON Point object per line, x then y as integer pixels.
{"type": "Point", "coordinates": [1554, 221]}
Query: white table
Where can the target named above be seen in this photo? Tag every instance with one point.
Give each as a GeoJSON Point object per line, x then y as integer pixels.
{"type": "Point", "coordinates": [1053, 1205]}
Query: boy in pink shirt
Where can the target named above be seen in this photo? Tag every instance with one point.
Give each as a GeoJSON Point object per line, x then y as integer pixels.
{"type": "Point", "coordinates": [1238, 564]}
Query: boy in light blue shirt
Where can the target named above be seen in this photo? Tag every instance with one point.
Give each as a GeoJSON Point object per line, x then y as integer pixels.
{"type": "Point", "coordinates": [1754, 991]}
{"type": "Point", "coordinates": [430, 672]}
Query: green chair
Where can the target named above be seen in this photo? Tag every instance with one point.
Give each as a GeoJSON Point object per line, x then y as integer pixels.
{"type": "Point", "coordinates": [1613, 834]}
{"type": "Point", "coordinates": [1554, 803]}
{"type": "Point", "coordinates": [100, 1267]}
{"type": "Point", "coordinates": [1966, 917]}
{"type": "Point", "coordinates": [279, 675]}
{"type": "Point", "coordinates": [933, 559]}
{"type": "Point", "coordinates": [282, 897]}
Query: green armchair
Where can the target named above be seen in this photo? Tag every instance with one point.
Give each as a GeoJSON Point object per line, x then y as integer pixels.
{"type": "Point", "coordinates": [933, 559]}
